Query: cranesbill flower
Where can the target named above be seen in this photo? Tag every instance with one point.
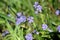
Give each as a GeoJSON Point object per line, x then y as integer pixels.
{"type": "Point", "coordinates": [35, 4]}
{"type": "Point", "coordinates": [44, 26]}
{"type": "Point", "coordinates": [38, 8]}
{"type": "Point", "coordinates": [30, 19]}
{"type": "Point", "coordinates": [58, 28]}
{"type": "Point", "coordinates": [57, 12]}
{"type": "Point", "coordinates": [29, 36]}
{"type": "Point", "coordinates": [20, 20]}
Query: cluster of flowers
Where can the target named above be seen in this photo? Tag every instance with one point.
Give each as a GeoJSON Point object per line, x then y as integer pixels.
{"type": "Point", "coordinates": [44, 27]}
{"type": "Point", "coordinates": [21, 18]}
{"type": "Point", "coordinates": [38, 8]}
{"type": "Point", "coordinates": [29, 36]}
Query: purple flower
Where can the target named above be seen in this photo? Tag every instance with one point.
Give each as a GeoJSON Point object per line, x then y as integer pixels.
{"type": "Point", "coordinates": [30, 19]}
{"type": "Point", "coordinates": [57, 12]}
{"type": "Point", "coordinates": [20, 20]}
{"type": "Point", "coordinates": [35, 4]}
{"type": "Point", "coordinates": [37, 7]}
{"type": "Point", "coordinates": [58, 28]}
{"type": "Point", "coordinates": [29, 36]}
{"type": "Point", "coordinates": [44, 26]}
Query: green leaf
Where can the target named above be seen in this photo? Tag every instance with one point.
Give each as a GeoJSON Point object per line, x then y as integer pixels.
{"type": "Point", "coordinates": [45, 36]}
{"type": "Point", "coordinates": [2, 21]}
{"type": "Point", "coordinates": [9, 27]}
{"type": "Point", "coordinates": [6, 17]}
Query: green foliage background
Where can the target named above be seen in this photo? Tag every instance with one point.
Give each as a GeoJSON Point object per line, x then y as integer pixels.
{"type": "Point", "coordinates": [47, 16]}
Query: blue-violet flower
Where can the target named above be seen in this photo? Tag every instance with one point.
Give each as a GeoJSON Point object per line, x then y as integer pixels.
{"type": "Point", "coordinates": [20, 20]}
{"type": "Point", "coordinates": [57, 12]}
{"type": "Point", "coordinates": [44, 26]}
{"type": "Point", "coordinates": [29, 36]}
{"type": "Point", "coordinates": [38, 8]}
